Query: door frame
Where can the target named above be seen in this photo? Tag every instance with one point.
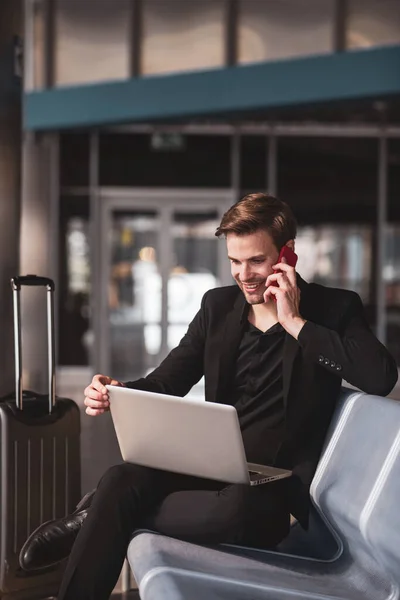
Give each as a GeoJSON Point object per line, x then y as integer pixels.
{"type": "Point", "coordinates": [166, 201]}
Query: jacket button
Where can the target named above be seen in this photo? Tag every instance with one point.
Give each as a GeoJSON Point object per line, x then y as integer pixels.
{"type": "Point", "coordinates": [338, 367]}
{"type": "Point", "coordinates": [321, 358]}
{"type": "Point", "coordinates": [333, 364]}
{"type": "Point", "coordinates": [326, 361]}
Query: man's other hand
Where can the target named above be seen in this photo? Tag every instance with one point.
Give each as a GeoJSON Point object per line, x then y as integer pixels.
{"type": "Point", "coordinates": [97, 400]}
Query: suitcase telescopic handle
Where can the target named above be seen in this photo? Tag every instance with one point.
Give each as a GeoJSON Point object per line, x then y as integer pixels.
{"type": "Point", "coordinates": [16, 284]}
{"type": "Point", "coordinates": [32, 280]}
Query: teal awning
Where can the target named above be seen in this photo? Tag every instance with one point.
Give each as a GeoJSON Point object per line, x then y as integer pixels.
{"type": "Point", "coordinates": [342, 76]}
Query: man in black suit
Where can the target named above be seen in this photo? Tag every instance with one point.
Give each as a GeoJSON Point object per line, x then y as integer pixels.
{"type": "Point", "coordinates": [276, 348]}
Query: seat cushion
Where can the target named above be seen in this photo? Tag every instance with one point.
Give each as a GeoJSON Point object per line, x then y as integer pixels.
{"type": "Point", "coordinates": [159, 562]}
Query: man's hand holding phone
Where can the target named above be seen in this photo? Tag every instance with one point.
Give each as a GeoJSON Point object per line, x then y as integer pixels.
{"type": "Point", "coordinates": [282, 287]}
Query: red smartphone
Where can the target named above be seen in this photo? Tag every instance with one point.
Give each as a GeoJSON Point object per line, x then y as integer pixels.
{"type": "Point", "coordinates": [291, 259]}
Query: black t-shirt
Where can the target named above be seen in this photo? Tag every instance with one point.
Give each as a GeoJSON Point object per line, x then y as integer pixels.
{"type": "Point", "coordinates": [258, 392]}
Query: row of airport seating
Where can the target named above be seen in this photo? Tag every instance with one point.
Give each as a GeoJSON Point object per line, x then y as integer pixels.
{"type": "Point", "coordinates": [351, 551]}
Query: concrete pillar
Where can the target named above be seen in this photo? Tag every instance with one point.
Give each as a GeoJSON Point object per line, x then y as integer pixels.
{"type": "Point", "coordinates": [38, 253]}
{"type": "Point", "coordinates": [11, 25]}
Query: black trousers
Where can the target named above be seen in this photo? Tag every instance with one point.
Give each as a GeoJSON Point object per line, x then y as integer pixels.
{"type": "Point", "coordinates": [190, 508]}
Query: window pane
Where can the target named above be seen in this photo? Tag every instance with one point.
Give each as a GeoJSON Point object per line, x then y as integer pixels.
{"type": "Point", "coordinates": [92, 41]}
{"type": "Point", "coordinates": [392, 281]}
{"type": "Point", "coordinates": [372, 23]}
{"type": "Point", "coordinates": [134, 294]}
{"type": "Point", "coordinates": [75, 337]}
{"type": "Point", "coordinates": [282, 28]}
{"type": "Point", "coordinates": [392, 252]}
{"type": "Point", "coordinates": [74, 159]}
{"type": "Point", "coordinates": [182, 36]}
{"type": "Point", "coordinates": [38, 31]}
{"type": "Point", "coordinates": [331, 185]}
{"type": "Point", "coordinates": [195, 270]}
{"type": "Point", "coordinates": [129, 159]}
{"type": "Point", "coordinates": [329, 180]}
{"type": "Point", "coordinates": [253, 163]}
{"type": "Point", "coordinates": [336, 256]}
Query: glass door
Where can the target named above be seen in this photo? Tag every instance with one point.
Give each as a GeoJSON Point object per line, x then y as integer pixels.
{"type": "Point", "coordinates": [160, 257]}
{"type": "Point", "coordinates": [134, 292]}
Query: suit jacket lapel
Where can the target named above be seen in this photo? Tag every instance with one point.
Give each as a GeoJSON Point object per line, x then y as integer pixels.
{"type": "Point", "coordinates": [290, 350]}
{"type": "Point", "coordinates": [235, 324]}
{"type": "Point", "coordinates": [291, 346]}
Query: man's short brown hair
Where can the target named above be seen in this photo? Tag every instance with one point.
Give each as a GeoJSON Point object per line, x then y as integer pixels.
{"type": "Point", "coordinates": [260, 211]}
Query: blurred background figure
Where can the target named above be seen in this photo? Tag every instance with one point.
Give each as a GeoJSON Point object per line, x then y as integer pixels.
{"type": "Point", "coordinates": [143, 121]}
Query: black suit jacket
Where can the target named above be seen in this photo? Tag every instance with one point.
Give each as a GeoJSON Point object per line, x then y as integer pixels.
{"type": "Point", "coordinates": [335, 343]}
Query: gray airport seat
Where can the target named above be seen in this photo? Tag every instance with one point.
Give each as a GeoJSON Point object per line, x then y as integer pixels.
{"type": "Point", "coordinates": [355, 492]}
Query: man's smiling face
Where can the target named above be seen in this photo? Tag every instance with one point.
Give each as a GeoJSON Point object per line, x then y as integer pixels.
{"type": "Point", "coordinates": [252, 257]}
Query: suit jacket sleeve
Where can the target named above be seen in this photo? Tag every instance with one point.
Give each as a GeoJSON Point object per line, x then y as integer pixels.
{"type": "Point", "coordinates": [184, 365]}
{"type": "Point", "coordinates": [354, 353]}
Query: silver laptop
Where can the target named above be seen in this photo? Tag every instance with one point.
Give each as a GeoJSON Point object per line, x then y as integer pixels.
{"type": "Point", "coordinates": [184, 436]}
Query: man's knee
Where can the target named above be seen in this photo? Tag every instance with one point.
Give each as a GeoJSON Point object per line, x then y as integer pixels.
{"type": "Point", "coordinates": [120, 477]}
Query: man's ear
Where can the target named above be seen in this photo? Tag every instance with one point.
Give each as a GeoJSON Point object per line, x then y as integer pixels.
{"type": "Point", "coordinates": [290, 244]}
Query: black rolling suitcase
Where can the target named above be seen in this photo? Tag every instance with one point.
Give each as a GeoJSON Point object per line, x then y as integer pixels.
{"type": "Point", "coordinates": [40, 462]}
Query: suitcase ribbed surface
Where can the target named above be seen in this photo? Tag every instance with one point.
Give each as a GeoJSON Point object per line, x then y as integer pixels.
{"type": "Point", "coordinates": [40, 480]}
